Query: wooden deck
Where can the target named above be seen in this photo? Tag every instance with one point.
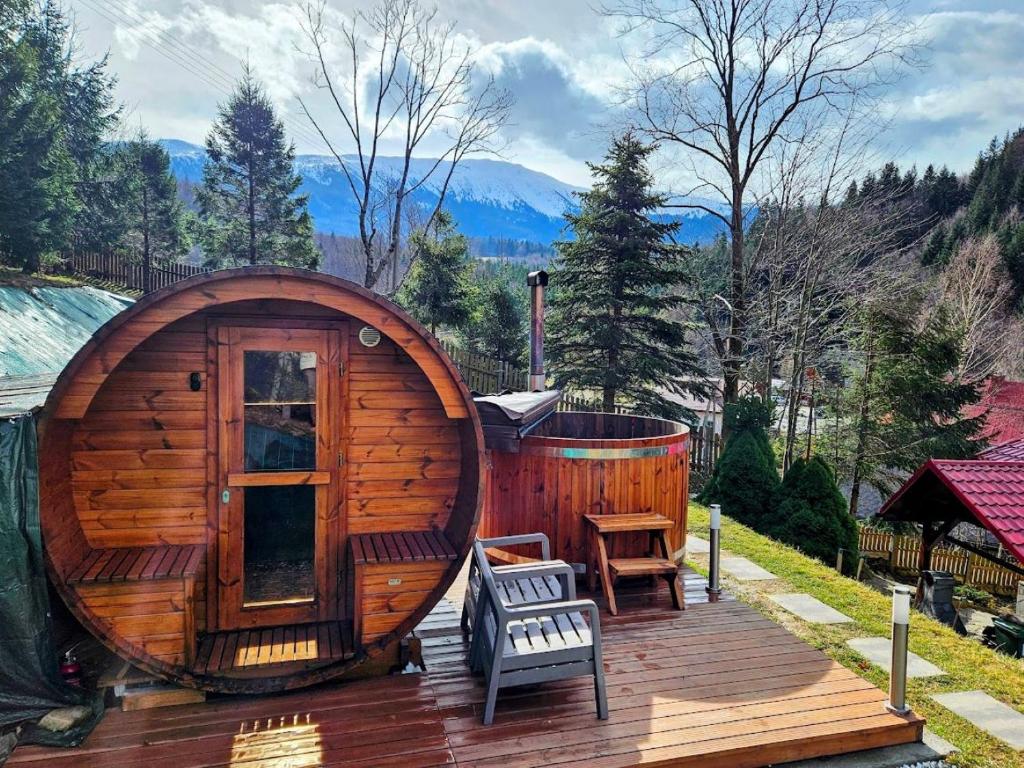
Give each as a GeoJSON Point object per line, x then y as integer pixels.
{"type": "Point", "coordinates": [715, 685]}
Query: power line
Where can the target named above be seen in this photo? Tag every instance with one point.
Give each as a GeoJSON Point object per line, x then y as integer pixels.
{"type": "Point", "coordinates": [185, 56]}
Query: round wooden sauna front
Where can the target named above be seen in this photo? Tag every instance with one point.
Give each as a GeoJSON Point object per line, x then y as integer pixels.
{"type": "Point", "coordinates": [572, 464]}
{"type": "Point", "coordinates": [257, 479]}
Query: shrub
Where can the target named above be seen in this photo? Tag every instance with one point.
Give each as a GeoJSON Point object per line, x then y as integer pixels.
{"type": "Point", "coordinates": [809, 513]}
{"type": "Point", "coordinates": [745, 479]}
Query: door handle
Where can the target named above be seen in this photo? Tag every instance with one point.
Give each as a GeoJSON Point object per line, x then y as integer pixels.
{"type": "Point", "coordinates": [225, 496]}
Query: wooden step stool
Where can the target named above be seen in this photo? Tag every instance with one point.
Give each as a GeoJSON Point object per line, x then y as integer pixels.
{"type": "Point", "coordinates": [603, 526]}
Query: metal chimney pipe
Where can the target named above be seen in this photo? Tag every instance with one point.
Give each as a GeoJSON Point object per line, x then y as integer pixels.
{"type": "Point", "coordinates": [537, 280]}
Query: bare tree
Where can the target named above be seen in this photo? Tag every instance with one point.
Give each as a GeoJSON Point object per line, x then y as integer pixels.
{"type": "Point", "coordinates": [728, 82]}
{"type": "Point", "coordinates": [403, 75]}
{"type": "Point", "coordinates": [976, 293]}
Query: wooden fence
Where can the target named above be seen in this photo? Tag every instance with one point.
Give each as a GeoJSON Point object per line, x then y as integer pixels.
{"type": "Point", "coordinates": [705, 448]}
{"type": "Point", "coordinates": [903, 552]}
{"type": "Point", "coordinates": [485, 374]}
{"type": "Point", "coordinates": [115, 268]}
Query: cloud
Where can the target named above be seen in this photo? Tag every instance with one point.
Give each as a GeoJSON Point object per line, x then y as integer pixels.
{"type": "Point", "coordinates": [971, 90]}
{"type": "Point", "coordinates": [553, 104]}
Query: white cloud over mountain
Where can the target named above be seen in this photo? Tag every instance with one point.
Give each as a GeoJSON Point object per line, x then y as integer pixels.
{"type": "Point", "coordinates": [561, 60]}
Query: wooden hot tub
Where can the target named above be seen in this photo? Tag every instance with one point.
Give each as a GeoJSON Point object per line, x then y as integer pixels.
{"type": "Point", "coordinates": [570, 464]}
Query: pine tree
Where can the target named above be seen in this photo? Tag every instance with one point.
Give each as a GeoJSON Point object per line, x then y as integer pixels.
{"type": "Point", "coordinates": [437, 290]}
{"type": "Point", "coordinates": [498, 328]}
{"type": "Point", "coordinates": [909, 403]}
{"type": "Point", "coordinates": [745, 479]}
{"type": "Point", "coordinates": [248, 204]}
{"type": "Point", "coordinates": [611, 325]}
{"type": "Point", "coordinates": [53, 115]}
{"type": "Point", "coordinates": [809, 513]}
{"type": "Point", "coordinates": [154, 217]}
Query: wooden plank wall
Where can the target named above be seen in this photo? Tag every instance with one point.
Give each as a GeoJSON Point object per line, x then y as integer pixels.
{"type": "Point", "coordinates": [541, 493]}
{"type": "Point", "coordinates": [138, 457]}
{"type": "Point", "coordinates": [403, 451]}
{"type": "Point", "coordinates": [385, 605]}
{"type": "Point", "coordinates": [148, 614]}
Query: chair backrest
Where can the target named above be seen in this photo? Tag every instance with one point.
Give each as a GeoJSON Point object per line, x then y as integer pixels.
{"type": "Point", "coordinates": [487, 582]}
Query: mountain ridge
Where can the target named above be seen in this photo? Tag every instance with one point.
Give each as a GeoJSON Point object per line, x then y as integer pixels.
{"type": "Point", "coordinates": [487, 197]}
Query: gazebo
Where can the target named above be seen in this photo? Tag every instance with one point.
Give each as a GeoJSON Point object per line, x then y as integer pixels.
{"type": "Point", "coordinates": [987, 491]}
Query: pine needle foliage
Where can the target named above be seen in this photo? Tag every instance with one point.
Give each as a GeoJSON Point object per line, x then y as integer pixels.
{"type": "Point", "coordinates": [438, 289]}
{"type": "Point", "coordinates": [613, 326]}
{"type": "Point", "coordinates": [498, 327]}
{"type": "Point", "coordinates": [248, 204]}
{"type": "Point", "coordinates": [745, 479]}
{"type": "Point", "coordinates": [810, 513]}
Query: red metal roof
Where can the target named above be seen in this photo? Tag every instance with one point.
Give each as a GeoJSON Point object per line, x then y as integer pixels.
{"type": "Point", "coordinates": [1009, 451]}
{"type": "Point", "coordinates": [1002, 402]}
{"type": "Point", "coordinates": [992, 492]}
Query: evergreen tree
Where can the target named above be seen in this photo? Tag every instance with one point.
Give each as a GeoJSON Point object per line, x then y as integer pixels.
{"type": "Point", "coordinates": [250, 211]}
{"type": "Point", "coordinates": [809, 513]}
{"type": "Point", "coordinates": [909, 404]}
{"type": "Point", "coordinates": [53, 115]}
{"type": "Point", "coordinates": [611, 324]}
{"type": "Point", "coordinates": [437, 290]}
{"type": "Point", "coordinates": [499, 328]}
{"type": "Point", "coordinates": [154, 218]}
{"type": "Point", "coordinates": [745, 479]}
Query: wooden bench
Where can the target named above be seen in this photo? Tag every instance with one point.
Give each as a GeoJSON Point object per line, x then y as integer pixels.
{"type": "Point", "coordinates": [380, 563]}
{"type": "Point", "coordinates": [163, 576]}
{"type": "Point", "coordinates": [602, 527]}
{"type": "Point", "coordinates": [529, 582]}
{"type": "Point", "coordinates": [526, 643]}
{"type": "Point", "coordinates": [138, 564]}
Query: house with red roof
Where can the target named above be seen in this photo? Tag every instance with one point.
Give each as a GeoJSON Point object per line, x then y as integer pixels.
{"type": "Point", "coordinates": [1002, 402]}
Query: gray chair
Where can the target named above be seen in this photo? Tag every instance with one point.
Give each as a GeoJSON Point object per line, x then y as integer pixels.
{"type": "Point", "coordinates": [524, 643]}
{"type": "Point", "coordinates": [540, 581]}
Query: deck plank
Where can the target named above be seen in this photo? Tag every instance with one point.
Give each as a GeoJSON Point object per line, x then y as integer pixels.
{"type": "Point", "coordinates": [712, 686]}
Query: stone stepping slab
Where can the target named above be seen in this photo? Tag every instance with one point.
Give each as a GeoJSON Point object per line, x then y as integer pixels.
{"type": "Point", "coordinates": [989, 714]}
{"type": "Point", "coordinates": [809, 608]}
{"type": "Point", "coordinates": [696, 546]}
{"type": "Point", "coordinates": [878, 650]}
{"type": "Point", "coordinates": [744, 570]}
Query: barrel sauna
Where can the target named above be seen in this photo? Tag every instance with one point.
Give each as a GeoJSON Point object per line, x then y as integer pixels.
{"type": "Point", "coordinates": [256, 479]}
{"type": "Point", "coordinates": [570, 464]}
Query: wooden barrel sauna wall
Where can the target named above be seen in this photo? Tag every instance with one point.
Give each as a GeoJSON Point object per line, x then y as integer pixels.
{"type": "Point", "coordinates": [257, 479]}
{"type": "Point", "coordinates": [572, 464]}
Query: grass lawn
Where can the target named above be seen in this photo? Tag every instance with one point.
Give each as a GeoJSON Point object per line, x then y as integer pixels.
{"type": "Point", "coordinates": [968, 664]}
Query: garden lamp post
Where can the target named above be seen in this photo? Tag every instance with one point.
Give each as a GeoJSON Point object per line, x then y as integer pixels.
{"type": "Point", "coordinates": [898, 667]}
{"type": "Point", "coordinates": [714, 588]}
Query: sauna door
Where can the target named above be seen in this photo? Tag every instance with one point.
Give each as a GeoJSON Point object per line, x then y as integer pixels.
{"type": "Point", "coordinates": [279, 530]}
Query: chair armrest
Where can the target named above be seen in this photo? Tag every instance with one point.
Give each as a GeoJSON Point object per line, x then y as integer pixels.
{"type": "Point", "coordinates": [524, 538]}
{"type": "Point", "coordinates": [549, 568]}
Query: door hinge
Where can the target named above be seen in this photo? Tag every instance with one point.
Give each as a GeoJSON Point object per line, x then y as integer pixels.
{"type": "Point", "coordinates": [341, 458]}
{"type": "Point", "coordinates": [341, 368]}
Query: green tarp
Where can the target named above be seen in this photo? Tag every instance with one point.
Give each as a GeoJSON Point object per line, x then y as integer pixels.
{"type": "Point", "coordinates": [30, 681]}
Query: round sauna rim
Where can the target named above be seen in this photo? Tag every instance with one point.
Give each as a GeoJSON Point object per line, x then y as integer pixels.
{"type": "Point", "coordinates": [257, 479]}
{"type": "Point", "coordinates": [575, 463]}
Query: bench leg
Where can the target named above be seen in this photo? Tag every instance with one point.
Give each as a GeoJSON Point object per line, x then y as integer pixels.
{"type": "Point", "coordinates": [678, 599]}
{"type": "Point", "coordinates": [606, 578]}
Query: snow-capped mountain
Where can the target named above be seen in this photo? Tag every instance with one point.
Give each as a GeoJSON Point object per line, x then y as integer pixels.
{"type": "Point", "coordinates": [488, 198]}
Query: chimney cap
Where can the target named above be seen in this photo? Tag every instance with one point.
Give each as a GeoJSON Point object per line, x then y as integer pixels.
{"type": "Point", "coordinates": [540, 277]}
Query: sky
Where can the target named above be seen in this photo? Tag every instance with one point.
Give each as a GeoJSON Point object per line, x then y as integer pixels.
{"type": "Point", "coordinates": [560, 59]}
